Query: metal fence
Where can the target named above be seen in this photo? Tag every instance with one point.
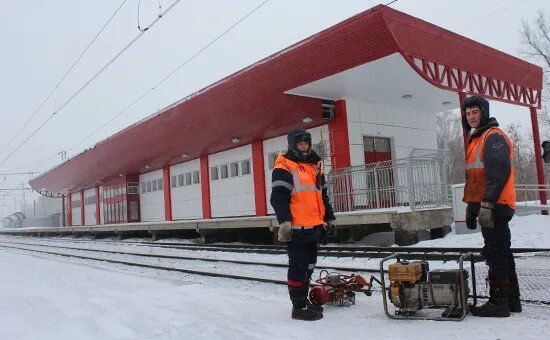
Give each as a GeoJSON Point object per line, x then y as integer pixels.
{"type": "Point", "coordinates": [418, 182]}
{"type": "Point", "coordinates": [528, 198]}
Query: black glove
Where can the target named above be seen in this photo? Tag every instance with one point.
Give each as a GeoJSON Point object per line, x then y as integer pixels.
{"type": "Point", "coordinates": [486, 215]}
{"type": "Point", "coordinates": [471, 221]}
{"type": "Point", "coordinates": [330, 227]}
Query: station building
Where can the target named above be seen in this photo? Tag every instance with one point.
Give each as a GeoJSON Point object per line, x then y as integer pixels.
{"type": "Point", "coordinates": [368, 89]}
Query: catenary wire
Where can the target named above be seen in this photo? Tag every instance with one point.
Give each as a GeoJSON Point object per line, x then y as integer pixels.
{"type": "Point", "coordinates": [62, 79]}
{"type": "Point", "coordinates": [87, 83]}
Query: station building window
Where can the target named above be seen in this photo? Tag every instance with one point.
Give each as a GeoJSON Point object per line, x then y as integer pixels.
{"type": "Point", "coordinates": [174, 181]}
{"type": "Point", "coordinates": [234, 169]}
{"type": "Point", "coordinates": [245, 167]}
{"type": "Point", "coordinates": [214, 173]}
{"type": "Point", "coordinates": [223, 171]}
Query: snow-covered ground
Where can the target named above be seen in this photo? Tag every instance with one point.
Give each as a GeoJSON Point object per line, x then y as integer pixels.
{"type": "Point", "coordinates": [49, 297]}
{"type": "Point", "coordinates": [531, 231]}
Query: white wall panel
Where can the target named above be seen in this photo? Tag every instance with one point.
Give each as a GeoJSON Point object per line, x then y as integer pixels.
{"type": "Point", "coordinates": [151, 202]}
{"type": "Point", "coordinates": [89, 210]}
{"type": "Point", "coordinates": [408, 127]}
{"type": "Point", "coordinates": [186, 198]}
{"type": "Point", "coordinates": [76, 212]}
{"type": "Point", "coordinates": [232, 196]}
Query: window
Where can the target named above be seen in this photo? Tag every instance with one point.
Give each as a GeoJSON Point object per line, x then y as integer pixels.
{"type": "Point", "coordinates": [214, 173]}
{"type": "Point", "coordinates": [180, 180]}
{"type": "Point", "coordinates": [245, 167]}
{"type": "Point", "coordinates": [160, 184]}
{"type": "Point", "coordinates": [196, 177]}
{"type": "Point", "coordinates": [376, 144]}
{"type": "Point", "coordinates": [271, 158]}
{"type": "Point", "coordinates": [382, 144]}
{"type": "Point", "coordinates": [188, 178]}
{"type": "Point", "coordinates": [89, 200]}
{"type": "Point", "coordinates": [234, 169]}
{"type": "Point", "coordinates": [174, 181]}
{"type": "Point", "coordinates": [133, 188]}
{"type": "Point", "coordinates": [148, 186]}
{"type": "Point", "coordinates": [143, 187]}
{"type": "Point", "coordinates": [154, 185]}
{"type": "Point", "coordinates": [223, 171]}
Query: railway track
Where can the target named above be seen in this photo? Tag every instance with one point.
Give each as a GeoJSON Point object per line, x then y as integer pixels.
{"type": "Point", "coordinates": [337, 251]}
{"type": "Point", "coordinates": [192, 258]}
{"type": "Point", "coordinates": [408, 253]}
{"type": "Point", "coordinates": [21, 247]}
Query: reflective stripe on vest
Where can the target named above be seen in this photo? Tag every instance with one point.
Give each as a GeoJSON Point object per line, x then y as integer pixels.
{"type": "Point", "coordinates": [306, 203]}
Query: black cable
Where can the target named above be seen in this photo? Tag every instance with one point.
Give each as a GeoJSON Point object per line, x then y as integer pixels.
{"type": "Point", "coordinates": [63, 78]}
{"type": "Point", "coordinates": [170, 74]}
{"type": "Point", "coordinates": [157, 84]}
{"type": "Point", "coordinates": [87, 83]}
{"type": "Point", "coordinates": [146, 28]}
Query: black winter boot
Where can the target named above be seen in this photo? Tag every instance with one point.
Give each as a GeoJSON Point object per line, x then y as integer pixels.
{"type": "Point", "coordinates": [515, 303]}
{"type": "Point", "coordinates": [315, 308]}
{"type": "Point", "coordinates": [497, 306]}
{"type": "Point", "coordinates": [305, 314]}
{"type": "Point", "coordinates": [301, 308]}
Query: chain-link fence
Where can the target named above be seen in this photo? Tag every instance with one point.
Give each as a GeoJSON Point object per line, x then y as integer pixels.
{"type": "Point", "coordinates": [418, 181]}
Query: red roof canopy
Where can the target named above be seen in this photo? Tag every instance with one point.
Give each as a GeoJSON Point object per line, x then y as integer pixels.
{"type": "Point", "coordinates": [252, 105]}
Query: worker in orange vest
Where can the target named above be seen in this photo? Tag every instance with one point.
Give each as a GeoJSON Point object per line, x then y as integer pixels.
{"type": "Point", "coordinates": [491, 198]}
{"type": "Point", "coordinates": [299, 198]}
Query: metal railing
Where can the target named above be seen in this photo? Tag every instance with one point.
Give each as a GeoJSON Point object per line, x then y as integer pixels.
{"type": "Point", "coordinates": [528, 197]}
{"type": "Point", "coordinates": [418, 182]}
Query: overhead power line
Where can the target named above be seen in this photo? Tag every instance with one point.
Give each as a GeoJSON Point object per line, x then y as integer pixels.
{"type": "Point", "coordinates": [88, 82]}
{"type": "Point", "coordinates": [158, 83]}
{"type": "Point", "coordinates": [62, 79]}
{"type": "Point", "coordinates": [187, 61]}
{"type": "Point", "coordinates": [18, 173]}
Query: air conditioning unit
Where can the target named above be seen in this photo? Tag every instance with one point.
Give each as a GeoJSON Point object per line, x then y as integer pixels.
{"type": "Point", "coordinates": [327, 109]}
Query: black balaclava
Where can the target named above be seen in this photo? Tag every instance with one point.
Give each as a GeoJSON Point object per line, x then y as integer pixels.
{"type": "Point", "coordinates": [476, 101]}
{"type": "Point", "coordinates": [294, 137]}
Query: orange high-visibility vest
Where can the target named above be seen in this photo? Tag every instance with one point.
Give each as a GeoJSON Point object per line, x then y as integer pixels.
{"type": "Point", "coordinates": [306, 201]}
{"type": "Point", "coordinates": [475, 171]}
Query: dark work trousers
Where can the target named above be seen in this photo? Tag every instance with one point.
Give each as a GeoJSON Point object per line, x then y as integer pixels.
{"type": "Point", "coordinates": [496, 250]}
{"type": "Point", "coordinates": [302, 253]}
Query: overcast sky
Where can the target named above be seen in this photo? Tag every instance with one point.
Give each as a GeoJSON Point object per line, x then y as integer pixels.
{"type": "Point", "coordinates": [41, 39]}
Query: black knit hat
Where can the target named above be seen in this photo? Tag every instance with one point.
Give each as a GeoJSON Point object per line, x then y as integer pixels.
{"type": "Point", "coordinates": [476, 101]}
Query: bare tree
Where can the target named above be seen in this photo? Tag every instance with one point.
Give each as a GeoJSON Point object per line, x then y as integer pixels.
{"type": "Point", "coordinates": [449, 137]}
{"type": "Point", "coordinates": [535, 37]}
{"type": "Point", "coordinates": [524, 161]}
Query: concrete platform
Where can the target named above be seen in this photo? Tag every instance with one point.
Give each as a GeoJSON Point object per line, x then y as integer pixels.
{"type": "Point", "coordinates": [409, 226]}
